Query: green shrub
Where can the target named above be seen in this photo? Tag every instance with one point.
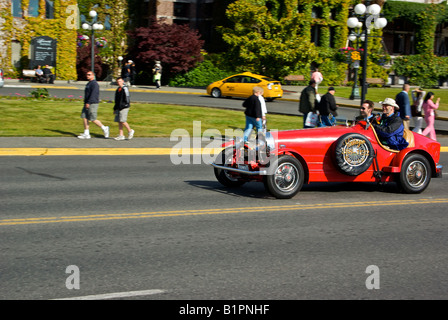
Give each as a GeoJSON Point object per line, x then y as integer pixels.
{"type": "Point", "coordinates": [40, 93]}
{"type": "Point", "coordinates": [201, 76]}
{"type": "Point", "coordinates": [424, 70]}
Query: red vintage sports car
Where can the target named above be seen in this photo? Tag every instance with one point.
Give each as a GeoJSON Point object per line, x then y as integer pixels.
{"type": "Point", "coordinates": [285, 160]}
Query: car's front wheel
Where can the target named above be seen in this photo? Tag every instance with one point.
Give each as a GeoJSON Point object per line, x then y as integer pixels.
{"type": "Point", "coordinates": [225, 177]}
{"type": "Point", "coordinates": [216, 93]}
{"type": "Point", "coordinates": [415, 174]}
{"type": "Point", "coordinates": [286, 179]}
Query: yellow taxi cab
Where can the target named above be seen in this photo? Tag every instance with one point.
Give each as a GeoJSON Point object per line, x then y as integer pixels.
{"type": "Point", "coordinates": [240, 85]}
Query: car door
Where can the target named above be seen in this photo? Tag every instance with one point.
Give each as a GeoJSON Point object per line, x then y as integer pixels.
{"type": "Point", "coordinates": [230, 86]}
{"type": "Point", "coordinates": [246, 86]}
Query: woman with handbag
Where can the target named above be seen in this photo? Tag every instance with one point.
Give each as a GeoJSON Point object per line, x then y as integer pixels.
{"type": "Point", "coordinates": [416, 109]}
{"type": "Point", "coordinates": [429, 108]}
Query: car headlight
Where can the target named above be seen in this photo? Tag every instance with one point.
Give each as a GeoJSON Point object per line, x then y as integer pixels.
{"type": "Point", "coordinates": [270, 142]}
{"type": "Point", "coordinates": [270, 86]}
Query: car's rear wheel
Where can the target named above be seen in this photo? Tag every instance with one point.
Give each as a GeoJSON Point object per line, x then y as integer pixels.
{"type": "Point", "coordinates": [415, 174]}
{"type": "Point", "coordinates": [216, 93]}
{"type": "Point", "coordinates": [286, 179]}
{"type": "Point", "coordinates": [223, 176]}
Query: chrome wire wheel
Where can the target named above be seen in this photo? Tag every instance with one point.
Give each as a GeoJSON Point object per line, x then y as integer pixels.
{"type": "Point", "coordinates": [286, 177]}
{"type": "Point", "coordinates": [416, 174]}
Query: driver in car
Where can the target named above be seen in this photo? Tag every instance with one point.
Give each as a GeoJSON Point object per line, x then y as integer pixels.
{"type": "Point", "coordinates": [390, 127]}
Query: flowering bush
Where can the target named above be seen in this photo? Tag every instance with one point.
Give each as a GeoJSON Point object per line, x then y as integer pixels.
{"type": "Point", "coordinates": [349, 54]}
{"type": "Point", "coordinates": [82, 40]}
{"type": "Point", "coordinates": [101, 42]}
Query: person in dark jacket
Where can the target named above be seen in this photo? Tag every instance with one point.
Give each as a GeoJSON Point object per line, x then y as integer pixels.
{"type": "Point", "coordinates": [327, 106]}
{"type": "Point", "coordinates": [48, 75]}
{"type": "Point", "coordinates": [90, 110]}
{"type": "Point", "coordinates": [390, 129]}
{"type": "Point", "coordinates": [121, 109]}
{"type": "Point", "coordinates": [307, 102]}
{"type": "Point", "coordinates": [254, 115]}
{"type": "Point", "coordinates": [402, 100]}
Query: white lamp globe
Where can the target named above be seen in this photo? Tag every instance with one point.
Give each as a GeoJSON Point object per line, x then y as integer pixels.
{"type": "Point", "coordinates": [360, 8]}
{"type": "Point", "coordinates": [380, 23]}
{"type": "Point", "coordinates": [85, 26]}
{"type": "Point", "coordinates": [352, 37]}
{"type": "Point", "coordinates": [352, 22]}
{"type": "Point", "coordinates": [374, 9]}
{"type": "Point", "coordinates": [92, 14]}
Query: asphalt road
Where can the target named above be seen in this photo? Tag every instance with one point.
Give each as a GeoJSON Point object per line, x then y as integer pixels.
{"type": "Point", "coordinates": [137, 223]}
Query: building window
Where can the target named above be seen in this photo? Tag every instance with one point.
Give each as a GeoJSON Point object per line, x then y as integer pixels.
{"type": "Point", "coordinates": [181, 10]}
{"type": "Point", "coordinates": [33, 8]}
{"type": "Point", "coordinates": [16, 8]}
{"type": "Point", "coordinates": [49, 9]}
{"type": "Point", "coordinates": [315, 35]}
{"type": "Point", "coordinates": [316, 13]}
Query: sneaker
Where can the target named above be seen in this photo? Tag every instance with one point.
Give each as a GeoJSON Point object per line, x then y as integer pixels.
{"type": "Point", "coordinates": [84, 136]}
{"type": "Point", "coordinates": [106, 132]}
{"type": "Point", "coordinates": [119, 138]}
{"type": "Point", "coordinates": [131, 134]}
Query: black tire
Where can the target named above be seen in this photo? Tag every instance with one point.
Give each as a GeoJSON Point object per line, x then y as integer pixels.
{"type": "Point", "coordinates": [415, 174]}
{"type": "Point", "coordinates": [223, 176]}
{"type": "Point", "coordinates": [286, 179]}
{"type": "Point", "coordinates": [216, 93]}
{"type": "Point", "coordinates": [353, 154]}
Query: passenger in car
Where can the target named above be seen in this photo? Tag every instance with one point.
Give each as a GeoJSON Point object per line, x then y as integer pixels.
{"type": "Point", "coordinates": [390, 127]}
{"type": "Point", "coordinates": [366, 111]}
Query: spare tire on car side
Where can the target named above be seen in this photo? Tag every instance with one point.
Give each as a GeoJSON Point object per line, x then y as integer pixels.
{"type": "Point", "coordinates": [353, 154]}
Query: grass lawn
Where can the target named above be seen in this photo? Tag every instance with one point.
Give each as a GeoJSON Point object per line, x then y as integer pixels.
{"type": "Point", "coordinates": [61, 118]}
{"type": "Point", "coordinates": [379, 94]}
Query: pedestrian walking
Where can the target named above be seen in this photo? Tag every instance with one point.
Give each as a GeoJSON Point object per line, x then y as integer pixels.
{"type": "Point", "coordinates": [429, 108]}
{"type": "Point", "coordinates": [327, 109]}
{"type": "Point", "coordinates": [254, 113]}
{"type": "Point", "coordinates": [90, 110]}
{"type": "Point", "coordinates": [402, 100]}
{"type": "Point", "coordinates": [307, 102]}
{"type": "Point", "coordinates": [126, 72]}
{"type": "Point", "coordinates": [264, 110]}
{"type": "Point", "coordinates": [133, 74]}
{"type": "Point", "coordinates": [317, 76]}
{"type": "Point", "coordinates": [157, 74]}
{"type": "Point", "coordinates": [121, 109]}
{"type": "Point", "coordinates": [416, 109]}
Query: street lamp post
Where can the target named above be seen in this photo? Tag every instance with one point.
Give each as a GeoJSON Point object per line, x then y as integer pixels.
{"type": "Point", "coordinates": [93, 26]}
{"type": "Point", "coordinates": [363, 21]}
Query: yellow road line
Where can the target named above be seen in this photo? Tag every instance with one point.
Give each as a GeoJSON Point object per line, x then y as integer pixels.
{"type": "Point", "coordinates": [113, 151]}
{"type": "Point", "coordinates": [211, 211]}
{"type": "Point", "coordinates": [105, 151]}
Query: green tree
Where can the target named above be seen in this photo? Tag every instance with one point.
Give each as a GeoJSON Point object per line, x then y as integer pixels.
{"type": "Point", "coordinates": [114, 14]}
{"type": "Point", "coordinates": [267, 37]}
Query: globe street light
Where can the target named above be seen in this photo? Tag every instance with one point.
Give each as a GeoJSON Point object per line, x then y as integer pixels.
{"type": "Point", "coordinates": [364, 20]}
{"type": "Point", "coordinates": [93, 26]}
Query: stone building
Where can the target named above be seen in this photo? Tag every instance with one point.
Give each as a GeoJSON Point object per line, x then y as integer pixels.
{"type": "Point", "coordinates": [52, 21]}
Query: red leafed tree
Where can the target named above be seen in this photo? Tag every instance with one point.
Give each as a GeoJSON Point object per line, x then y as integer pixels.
{"type": "Point", "coordinates": [177, 47]}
